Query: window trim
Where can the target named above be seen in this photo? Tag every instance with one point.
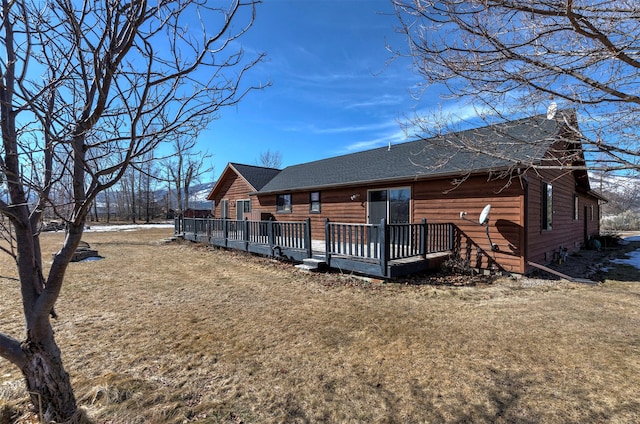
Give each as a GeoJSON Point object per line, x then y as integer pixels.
{"type": "Point", "coordinates": [224, 209]}
{"type": "Point", "coordinates": [576, 207]}
{"type": "Point", "coordinates": [318, 202]}
{"type": "Point", "coordinates": [245, 202]}
{"type": "Point", "coordinates": [546, 206]}
{"type": "Point", "coordinates": [388, 190]}
{"type": "Point", "coordinates": [281, 206]}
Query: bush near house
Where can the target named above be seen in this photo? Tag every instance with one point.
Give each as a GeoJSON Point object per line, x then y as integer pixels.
{"type": "Point", "coordinates": [626, 221]}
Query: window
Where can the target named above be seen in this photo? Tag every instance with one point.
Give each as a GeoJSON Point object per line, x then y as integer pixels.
{"type": "Point", "coordinates": [224, 209]}
{"type": "Point", "coordinates": [283, 203]}
{"type": "Point", "coordinates": [576, 209]}
{"type": "Point", "coordinates": [547, 206]}
{"type": "Point", "coordinates": [390, 204]}
{"type": "Point", "coordinates": [314, 202]}
{"type": "Point", "coordinates": [243, 207]}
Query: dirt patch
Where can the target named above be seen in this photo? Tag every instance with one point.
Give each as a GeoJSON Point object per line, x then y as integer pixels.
{"type": "Point", "coordinates": [592, 264]}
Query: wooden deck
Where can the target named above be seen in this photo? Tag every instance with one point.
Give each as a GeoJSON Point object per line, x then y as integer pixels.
{"type": "Point", "coordinates": [380, 250]}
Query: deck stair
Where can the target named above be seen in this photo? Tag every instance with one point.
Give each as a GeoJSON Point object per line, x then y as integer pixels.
{"type": "Point", "coordinates": [317, 263]}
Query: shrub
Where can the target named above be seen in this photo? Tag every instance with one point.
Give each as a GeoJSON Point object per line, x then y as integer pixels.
{"type": "Point", "coordinates": [626, 221]}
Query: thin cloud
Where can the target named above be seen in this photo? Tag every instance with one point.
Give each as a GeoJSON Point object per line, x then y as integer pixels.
{"type": "Point", "coordinates": [313, 129]}
{"type": "Point", "coordinates": [383, 100]}
{"type": "Point", "coordinates": [389, 139]}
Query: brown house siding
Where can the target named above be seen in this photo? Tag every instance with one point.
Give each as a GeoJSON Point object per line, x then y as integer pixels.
{"type": "Point", "coordinates": [335, 204]}
{"type": "Point", "coordinates": [518, 235]}
{"type": "Point", "coordinates": [233, 188]}
{"type": "Point", "coordinates": [430, 202]}
{"type": "Point", "coordinates": [566, 231]}
{"type": "Point", "coordinates": [433, 202]}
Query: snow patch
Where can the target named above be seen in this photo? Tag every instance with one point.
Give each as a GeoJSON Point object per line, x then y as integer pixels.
{"type": "Point", "coordinates": [634, 256]}
{"type": "Point", "coordinates": [124, 227]}
{"type": "Point", "coordinates": [633, 259]}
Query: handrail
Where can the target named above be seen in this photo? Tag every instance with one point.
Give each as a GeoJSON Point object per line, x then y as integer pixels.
{"type": "Point", "coordinates": [371, 243]}
{"type": "Point", "coordinates": [276, 234]}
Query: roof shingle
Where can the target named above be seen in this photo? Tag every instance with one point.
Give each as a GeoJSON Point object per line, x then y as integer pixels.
{"type": "Point", "coordinates": [257, 176]}
{"type": "Point", "coordinates": [503, 145]}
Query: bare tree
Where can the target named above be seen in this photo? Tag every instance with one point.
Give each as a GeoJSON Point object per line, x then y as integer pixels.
{"type": "Point", "coordinates": [87, 88]}
{"type": "Point", "coordinates": [270, 159]}
{"type": "Point", "coordinates": [511, 57]}
{"type": "Point", "coordinates": [186, 167]}
{"type": "Point", "coordinates": [150, 179]}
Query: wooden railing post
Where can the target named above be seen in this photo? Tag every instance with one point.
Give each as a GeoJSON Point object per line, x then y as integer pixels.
{"type": "Point", "coordinates": [385, 246]}
{"type": "Point", "coordinates": [451, 236]}
{"type": "Point", "coordinates": [307, 238]}
{"type": "Point", "coordinates": [270, 234]}
{"type": "Point", "coordinates": [327, 241]}
{"type": "Point", "coordinates": [245, 233]}
{"type": "Point", "coordinates": [423, 237]}
{"type": "Point", "coordinates": [225, 231]}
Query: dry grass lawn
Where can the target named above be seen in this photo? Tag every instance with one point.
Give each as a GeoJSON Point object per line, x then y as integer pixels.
{"type": "Point", "coordinates": [173, 333]}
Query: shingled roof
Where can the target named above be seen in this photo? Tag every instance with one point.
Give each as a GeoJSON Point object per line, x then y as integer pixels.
{"type": "Point", "coordinates": [257, 176]}
{"type": "Point", "coordinates": [503, 146]}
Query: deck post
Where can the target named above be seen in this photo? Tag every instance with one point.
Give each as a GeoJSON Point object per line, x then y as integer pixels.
{"type": "Point", "coordinates": [225, 231]}
{"type": "Point", "coordinates": [451, 231]}
{"type": "Point", "coordinates": [271, 235]}
{"type": "Point", "coordinates": [245, 234]}
{"type": "Point", "coordinates": [423, 236]}
{"type": "Point", "coordinates": [385, 246]}
{"type": "Point", "coordinates": [327, 241]}
{"type": "Point", "coordinates": [307, 238]}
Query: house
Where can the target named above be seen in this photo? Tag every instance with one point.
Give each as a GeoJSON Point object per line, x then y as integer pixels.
{"type": "Point", "coordinates": [231, 195]}
{"type": "Point", "coordinates": [536, 214]}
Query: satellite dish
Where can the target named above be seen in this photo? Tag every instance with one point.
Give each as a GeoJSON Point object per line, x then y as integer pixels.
{"type": "Point", "coordinates": [551, 110]}
{"type": "Point", "coordinates": [484, 215]}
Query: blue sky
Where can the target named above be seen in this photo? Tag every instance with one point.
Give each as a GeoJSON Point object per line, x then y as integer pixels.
{"type": "Point", "coordinates": [333, 90]}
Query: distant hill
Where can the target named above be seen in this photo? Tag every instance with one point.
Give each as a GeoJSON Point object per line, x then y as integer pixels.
{"type": "Point", "coordinates": [622, 192]}
{"type": "Point", "coordinates": [198, 196]}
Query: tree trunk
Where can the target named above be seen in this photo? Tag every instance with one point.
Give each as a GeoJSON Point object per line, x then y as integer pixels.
{"type": "Point", "coordinates": [47, 381]}
{"type": "Point", "coordinates": [95, 210]}
{"type": "Point", "coordinates": [133, 198]}
{"type": "Point", "coordinates": [108, 204]}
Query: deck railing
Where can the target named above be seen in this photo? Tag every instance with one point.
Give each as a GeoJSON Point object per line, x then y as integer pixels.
{"type": "Point", "coordinates": [381, 243]}
{"type": "Point", "coordinates": [374, 245]}
{"type": "Point", "coordinates": [353, 240]}
{"type": "Point", "coordinates": [276, 235]}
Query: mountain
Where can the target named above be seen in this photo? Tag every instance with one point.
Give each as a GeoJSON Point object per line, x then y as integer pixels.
{"type": "Point", "coordinates": [198, 196]}
{"type": "Point", "coordinates": [621, 191]}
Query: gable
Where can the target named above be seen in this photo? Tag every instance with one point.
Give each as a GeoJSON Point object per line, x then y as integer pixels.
{"type": "Point", "coordinates": [256, 176]}
{"type": "Point", "coordinates": [253, 178]}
